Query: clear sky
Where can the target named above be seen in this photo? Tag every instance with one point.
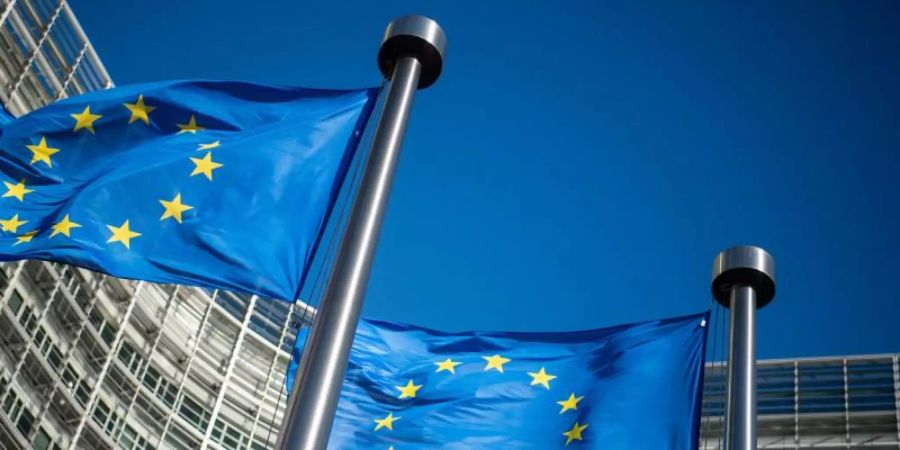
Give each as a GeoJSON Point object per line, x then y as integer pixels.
{"type": "Point", "coordinates": [579, 164]}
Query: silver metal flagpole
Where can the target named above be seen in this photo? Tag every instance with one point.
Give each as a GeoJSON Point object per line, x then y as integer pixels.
{"type": "Point", "coordinates": [411, 56]}
{"type": "Point", "coordinates": [743, 279]}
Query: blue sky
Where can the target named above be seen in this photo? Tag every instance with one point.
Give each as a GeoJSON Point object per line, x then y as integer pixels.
{"type": "Point", "coordinates": [579, 164]}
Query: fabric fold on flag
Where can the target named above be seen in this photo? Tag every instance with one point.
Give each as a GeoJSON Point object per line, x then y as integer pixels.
{"type": "Point", "coordinates": [207, 183]}
{"type": "Point", "coordinates": [630, 387]}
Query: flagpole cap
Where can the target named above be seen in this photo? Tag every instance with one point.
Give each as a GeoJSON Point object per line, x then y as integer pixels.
{"type": "Point", "coordinates": [744, 265]}
{"type": "Point", "coordinates": [416, 36]}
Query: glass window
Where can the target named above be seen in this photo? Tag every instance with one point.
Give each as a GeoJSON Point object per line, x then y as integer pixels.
{"type": "Point", "coordinates": [108, 333]}
{"type": "Point", "coordinates": [83, 299]}
{"type": "Point", "coordinates": [168, 393]}
{"type": "Point", "coordinates": [28, 320]}
{"type": "Point", "coordinates": [101, 413]}
{"type": "Point", "coordinates": [217, 431]}
{"type": "Point", "coordinates": [25, 422]}
{"type": "Point", "coordinates": [41, 440]}
{"type": "Point", "coordinates": [96, 319]}
{"type": "Point", "coordinates": [111, 425]}
{"type": "Point", "coordinates": [151, 378]}
{"type": "Point", "coordinates": [54, 357]}
{"type": "Point", "coordinates": [126, 353]}
{"type": "Point", "coordinates": [70, 376]}
{"type": "Point", "coordinates": [871, 385]}
{"type": "Point", "coordinates": [232, 439]}
{"type": "Point", "coordinates": [12, 405]}
{"type": "Point", "coordinates": [82, 393]}
{"type": "Point", "coordinates": [194, 413]}
{"type": "Point", "coordinates": [15, 302]}
{"type": "Point", "coordinates": [39, 336]}
{"type": "Point", "coordinates": [126, 442]}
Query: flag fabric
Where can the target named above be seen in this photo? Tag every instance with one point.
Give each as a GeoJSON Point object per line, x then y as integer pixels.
{"type": "Point", "coordinates": [214, 184]}
{"type": "Point", "coordinates": [630, 387]}
{"type": "Point", "coordinates": [5, 116]}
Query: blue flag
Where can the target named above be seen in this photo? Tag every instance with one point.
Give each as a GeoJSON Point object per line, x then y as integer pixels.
{"type": "Point", "coordinates": [5, 116]}
{"type": "Point", "coordinates": [631, 387]}
{"type": "Point", "coordinates": [215, 184]}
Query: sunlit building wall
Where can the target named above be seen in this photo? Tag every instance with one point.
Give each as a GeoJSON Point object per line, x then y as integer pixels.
{"type": "Point", "coordinates": [850, 402]}
{"type": "Point", "coordinates": [94, 362]}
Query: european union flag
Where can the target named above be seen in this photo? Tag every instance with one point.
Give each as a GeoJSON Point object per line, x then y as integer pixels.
{"type": "Point", "coordinates": [216, 184]}
{"type": "Point", "coordinates": [631, 387]}
{"type": "Point", "coordinates": [5, 116]}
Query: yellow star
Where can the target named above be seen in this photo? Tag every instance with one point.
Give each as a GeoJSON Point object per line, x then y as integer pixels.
{"type": "Point", "coordinates": [16, 190]}
{"type": "Point", "coordinates": [85, 120]}
{"type": "Point", "coordinates": [495, 362]}
{"type": "Point", "coordinates": [570, 403]}
{"type": "Point", "coordinates": [42, 152]}
{"type": "Point", "coordinates": [12, 224]}
{"type": "Point", "coordinates": [174, 208]}
{"type": "Point", "coordinates": [122, 234]}
{"type": "Point", "coordinates": [409, 391]}
{"type": "Point", "coordinates": [448, 365]}
{"type": "Point", "coordinates": [205, 165]}
{"type": "Point", "coordinates": [64, 227]}
{"type": "Point", "coordinates": [25, 237]}
{"type": "Point", "coordinates": [387, 422]}
{"type": "Point", "coordinates": [209, 146]}
{"type": "Point", "coordinates": [139, 111]}
{"type": "Point", "coordinates": [542, 378]}
{"type": "Point", "coordinates": [575, 433]}
{"type": "Point", "coordinates": [190, 127]}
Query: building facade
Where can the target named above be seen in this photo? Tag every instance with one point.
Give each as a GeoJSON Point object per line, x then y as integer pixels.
{"type": "Point", "coordinates": [94, 362]}
{"type": "Point", "coordinates": [850, 402]}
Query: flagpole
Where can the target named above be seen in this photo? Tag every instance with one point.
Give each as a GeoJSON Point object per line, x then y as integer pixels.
{"type": "Point", "coordinates": [743, 280]}
{"type": "Point", "coordinates": [411, 56]}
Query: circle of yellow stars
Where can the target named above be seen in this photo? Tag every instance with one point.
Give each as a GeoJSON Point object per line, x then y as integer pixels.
{"type": "Point", "coordinates": [541, 379]}
{"type": "Point", "coordinates": [42, 153]}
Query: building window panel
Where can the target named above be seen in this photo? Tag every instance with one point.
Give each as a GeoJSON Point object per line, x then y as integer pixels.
{"type": "Point", "coordinates": [39, 338]}
{"type": "Point", "coordinates": [41, 440]}
{"type": "Point", "coordinates": [54, 357]}
{"type": "Point", "coordinates": [194, 413]}
{"type": "Point", "coordinates": [28, 319]}
{"type": "Point", "coordinates": [108, 333]}
{"type": "Point", "coordinates": [82, 393]}
{"type": "Point", "coordinates": [12, 405]}
{"type": "Point", "coordinates": [25, 422]}
{"type": "Point", "coordinates": [15, 302]}
{"type": "Point", "coordinates": [70, 376]}
{"type": "Point", "coordinates": [101, 413]}
{"type": "Point", "coordinates": [128, 438]}
{"type": "Point", "coordinates": [151, 378]}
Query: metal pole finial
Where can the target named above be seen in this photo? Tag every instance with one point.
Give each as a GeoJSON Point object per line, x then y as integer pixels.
{"type": "Point", "coordinates": [744, 265]}
{"type": "Point", "coordinates": [419, 37]}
